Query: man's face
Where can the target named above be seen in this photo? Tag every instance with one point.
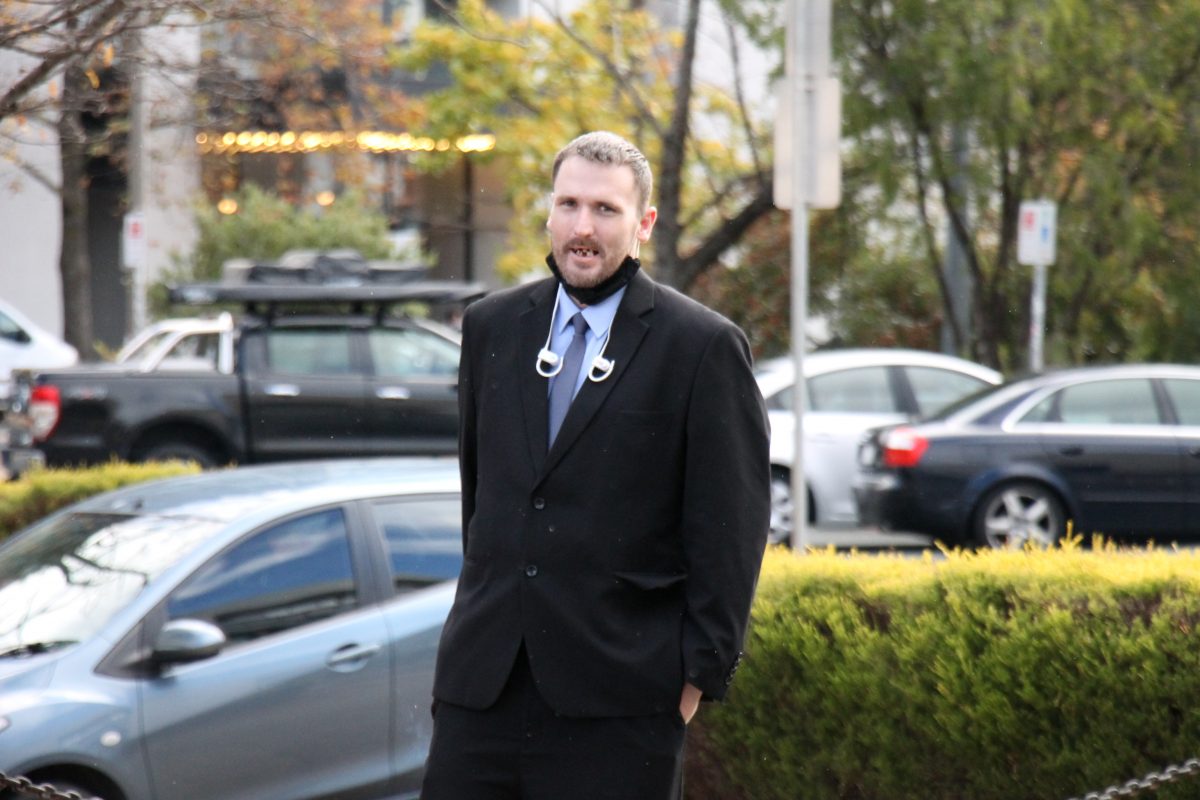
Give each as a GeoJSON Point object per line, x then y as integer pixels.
{"type": "Point", "coordinates": [595, 220]}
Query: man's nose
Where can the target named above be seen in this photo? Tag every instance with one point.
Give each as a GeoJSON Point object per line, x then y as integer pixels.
{"type": "Point", "coordinates": [583, 223]}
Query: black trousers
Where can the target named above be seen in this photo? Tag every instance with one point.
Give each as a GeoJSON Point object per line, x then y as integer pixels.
{"type": "Point", "coordinates": [520, 749]}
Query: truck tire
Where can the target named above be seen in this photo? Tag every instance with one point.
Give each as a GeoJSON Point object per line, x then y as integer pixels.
{"type": "Point", "coordinates": [179, 450]}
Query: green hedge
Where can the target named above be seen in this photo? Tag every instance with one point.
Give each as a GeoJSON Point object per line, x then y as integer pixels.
{"type": "Point", "coordinates": [974, 676]}
{"type": "Point", "coordinates": [41, 491]}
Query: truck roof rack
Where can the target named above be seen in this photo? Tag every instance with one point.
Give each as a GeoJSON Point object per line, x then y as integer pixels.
{"type": "Point", "coordinates": [338, 267]}
{"type": "Point", "coordinates": [274, 295]}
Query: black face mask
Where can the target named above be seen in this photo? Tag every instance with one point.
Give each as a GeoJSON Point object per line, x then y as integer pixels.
{"type": "Point", "coordinates": [591, 295]}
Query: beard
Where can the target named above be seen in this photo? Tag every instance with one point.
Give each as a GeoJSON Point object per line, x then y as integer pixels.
{"type": "Point", "coordinates": [590, 295]}
{"type": "Point", "coordinates": [576, 277]}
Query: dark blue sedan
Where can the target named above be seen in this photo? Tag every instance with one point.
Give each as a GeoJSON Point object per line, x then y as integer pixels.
{"type": "Point", "coordinates": [1111, 450]}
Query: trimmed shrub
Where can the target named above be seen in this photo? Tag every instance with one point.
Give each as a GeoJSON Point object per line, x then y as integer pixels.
{"type": "Point", "coordinates": [977, 676]}
{"type": "Point", "coordinates": [42, 491]}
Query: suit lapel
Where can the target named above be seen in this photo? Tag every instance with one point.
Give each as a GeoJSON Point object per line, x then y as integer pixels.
{"type": "Point", "coordinates": [533, 325]}
{"type": "Point", "coordinates": [625, 336]}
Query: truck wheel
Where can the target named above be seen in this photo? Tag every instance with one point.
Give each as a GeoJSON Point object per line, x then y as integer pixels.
{"type": "Point", "coordinates": [179, 451]}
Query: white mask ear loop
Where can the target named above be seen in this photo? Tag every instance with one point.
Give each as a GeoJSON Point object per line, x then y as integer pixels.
{"type": "Point", "coordinates": [600, 364]}
{"type": "Point", "coordinates": [548, 363]}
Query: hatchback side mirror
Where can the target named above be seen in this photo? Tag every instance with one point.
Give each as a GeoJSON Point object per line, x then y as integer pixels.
{"type": "Point", "coordinates": [182, 641]}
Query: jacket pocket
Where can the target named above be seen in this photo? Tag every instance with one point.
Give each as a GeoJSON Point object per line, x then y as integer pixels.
{"type": "Point", "coordinates": [651, 581]}
{"type": "Point", "coordinates": [645, 423]}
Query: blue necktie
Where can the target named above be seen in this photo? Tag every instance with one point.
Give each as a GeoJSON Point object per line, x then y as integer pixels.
{"type": "Point", "coordinates": [564, 383]}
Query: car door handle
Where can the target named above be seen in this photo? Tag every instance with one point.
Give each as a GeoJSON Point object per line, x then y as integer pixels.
{"type": "Point", "coordinates": [352, 655]}
{"type": "Point", "coordinates": [282, 390]}
{"type": "Point", "coordinates": [1071, 450]}
{"type": "Point", "coordinates": [393, 393]}
{"type": "Point", "coordinates": [1194, 451]}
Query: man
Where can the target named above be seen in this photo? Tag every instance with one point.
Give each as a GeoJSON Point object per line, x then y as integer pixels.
{"type": "Point", "coordinates": [611, 541]}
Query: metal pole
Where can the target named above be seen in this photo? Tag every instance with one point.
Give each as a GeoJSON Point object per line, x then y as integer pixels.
{"type": "Point", "coordinates": [1037, 318]}
{"type": "Point", "coordinates": [799, 395]}
{"type": "Point", "coordinates": [137, 318]}
{"type": "Point", "coordinates": [799, 86]}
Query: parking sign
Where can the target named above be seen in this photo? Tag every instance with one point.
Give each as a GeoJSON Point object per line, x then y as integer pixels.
{"type": "Point", "coordinates": [1036, 223]}
{"type": "Point", "coordinates": [133, 241]}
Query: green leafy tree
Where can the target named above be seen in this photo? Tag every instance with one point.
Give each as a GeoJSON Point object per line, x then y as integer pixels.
{"type": "Point", "coordinates": [1090, 103]}
{"type": "Point", "coordinates": [540, 80]}
{"type": "Point", "coordinates": [863, 291]}
{"type": "Point", "coordinates": [265, 227]}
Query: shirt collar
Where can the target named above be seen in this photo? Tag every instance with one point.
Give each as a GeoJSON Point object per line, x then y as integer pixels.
{"type": "Point", "coordinates": [599, 317]}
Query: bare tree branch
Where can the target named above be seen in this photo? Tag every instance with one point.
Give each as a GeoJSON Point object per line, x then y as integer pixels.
{"type": "Point", "coordinates": [35, 173]}
{"type": "Point", "coordinates": [739, 92]}
{"type": "Point", "coordinates": [728, 234]}
{"type": "Point", "coordinates": [99, 32]}
{"type": "Point", "coordinates": [627, 87]}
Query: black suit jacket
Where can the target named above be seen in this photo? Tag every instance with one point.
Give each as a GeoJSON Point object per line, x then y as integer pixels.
{"type": "Point", "coordinates": [626, 556]}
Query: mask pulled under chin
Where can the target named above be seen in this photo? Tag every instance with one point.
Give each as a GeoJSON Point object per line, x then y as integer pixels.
{"type": "Point", "coordinates": [591, 295]}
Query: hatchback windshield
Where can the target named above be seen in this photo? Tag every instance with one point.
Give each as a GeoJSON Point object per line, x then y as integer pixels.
{"type": "Point", "coordinates": [63, 580]}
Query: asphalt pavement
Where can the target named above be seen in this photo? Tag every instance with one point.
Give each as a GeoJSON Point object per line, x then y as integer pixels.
{"type": "Point", "coordinates": [866, 539]}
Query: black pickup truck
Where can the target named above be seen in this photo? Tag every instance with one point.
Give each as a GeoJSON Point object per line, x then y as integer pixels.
{"type": "Point", "coordinates": [304, 372]}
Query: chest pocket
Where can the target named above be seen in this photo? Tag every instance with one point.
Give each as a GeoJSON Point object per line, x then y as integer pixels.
{"type": "Point", "coordinates": [648, 431]}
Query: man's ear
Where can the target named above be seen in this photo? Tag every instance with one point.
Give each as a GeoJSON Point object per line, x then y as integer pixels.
{"type": "Point", "coordinates": [646, 224]}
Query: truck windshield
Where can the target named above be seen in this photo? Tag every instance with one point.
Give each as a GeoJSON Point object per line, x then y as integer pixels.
{"type": "Point", "coordinates": [63, 580]}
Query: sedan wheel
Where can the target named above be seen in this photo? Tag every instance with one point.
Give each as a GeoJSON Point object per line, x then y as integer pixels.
{"type": "Point", "coordinates": [1014, 514]}
{"type": "Point", "coordinates": [781, 508]}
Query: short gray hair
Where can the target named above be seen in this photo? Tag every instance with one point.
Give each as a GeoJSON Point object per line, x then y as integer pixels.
{"type": "Point", "coordinates": [603, 147]}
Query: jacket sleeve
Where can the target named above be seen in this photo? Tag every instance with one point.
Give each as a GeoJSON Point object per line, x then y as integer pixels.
{"type": "Point", "coordinates": [467, 443]}
{"type": "Point", "coordinates": [726, 510]}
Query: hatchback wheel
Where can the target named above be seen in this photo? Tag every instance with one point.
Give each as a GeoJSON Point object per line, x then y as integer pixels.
{"type": "Point", "coordinates": [1015, 514]}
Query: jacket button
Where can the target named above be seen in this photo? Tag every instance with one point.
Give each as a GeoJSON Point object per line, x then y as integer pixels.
{"type": "Point", "coordinates": [539, 503]}
{"type": "Point", "coordinates": [531, 571]}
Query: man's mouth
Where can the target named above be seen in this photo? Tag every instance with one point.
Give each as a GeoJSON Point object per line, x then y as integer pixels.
{"type": "Point", "coordinates": [584, 252]}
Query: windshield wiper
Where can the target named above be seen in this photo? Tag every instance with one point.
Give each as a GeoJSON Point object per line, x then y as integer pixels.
{"type": "Point", "coordinates": [35, 648]}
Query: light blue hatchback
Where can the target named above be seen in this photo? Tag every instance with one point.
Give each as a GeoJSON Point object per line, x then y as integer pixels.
{"type": "Point", "coordinates": [261, 633]}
